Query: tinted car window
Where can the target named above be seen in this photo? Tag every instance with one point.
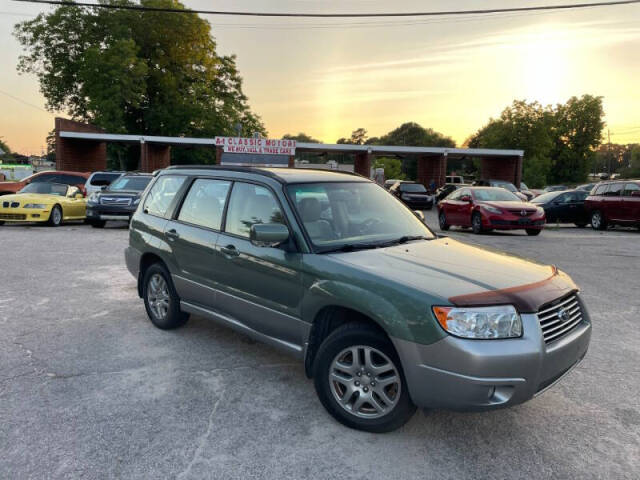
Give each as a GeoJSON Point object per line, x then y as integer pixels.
{"type": "Point", "coordinates": [45, 177]}
{"type": "Point", "coordinates": [46, 188]}
{"type": "Point", "coordinates": [250, 204]}
{"type": "Point", "coordinates": [72, 179]}
{"type": "Point", "coordinates": [102, 179]}
{"type": "Point", "coordinates": [132, 183]}
{"type": "Point", "coordinates": [412, 188]}
{"type": "Point", "coordinates": [204, 203]}
{"type": "Point", "coordinates": [630, 187]}
{"type": "Point", "coordinates": [601, 189]}
{"type": "Point", "coordinates": [545, 198]}
{"type": "Point", "coordinates": [614, 190]}
{"type": "Point", "coordinates": [162, 194]}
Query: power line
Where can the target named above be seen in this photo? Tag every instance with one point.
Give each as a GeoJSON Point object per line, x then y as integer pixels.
{"type": "Point", "coordinates": [334, 15]}
{"type": "Point", "coordinates": [24, 101]}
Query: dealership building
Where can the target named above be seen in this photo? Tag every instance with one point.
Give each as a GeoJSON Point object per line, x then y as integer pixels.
{"type": "Point", "coordinates": [82, 147]}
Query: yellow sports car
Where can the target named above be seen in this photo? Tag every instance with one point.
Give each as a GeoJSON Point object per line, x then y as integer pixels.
{"type": "Point", "coordinates": [43, 202]}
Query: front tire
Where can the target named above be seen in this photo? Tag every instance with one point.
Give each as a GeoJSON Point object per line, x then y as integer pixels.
{"type": "Point", "coordinates": [1, 223]}
{"type": "Point", "coordinates": [597, 220]}
{"type": "Point", "coordinates": [161, 300]}
{"type": "Point", "coordinates": [359, 379]}
{"type": "Point", "coordinates": [442, 220]}
{"type": "Point", "coordinates": [476, 223]}
{"type": "Point", "coordinates": [55, 217]}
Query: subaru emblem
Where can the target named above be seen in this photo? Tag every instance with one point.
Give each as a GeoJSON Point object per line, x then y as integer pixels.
{"type": "Point", "coordinates": [563, 315]}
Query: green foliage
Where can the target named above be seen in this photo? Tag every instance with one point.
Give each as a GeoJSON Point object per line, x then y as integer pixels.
{"type": "Point", "coordinates": [411, 133]}
{"type": "Point", "coordinates": [392, 167]}
{"type": "Point", "coordinates": [559, 142]}
{"type": "Point", "coordinates": [301, 137]}
{"type": "Point", "coordinates": [358, 137]}
{"type": "Point", "coordinates": [633, 170]}
{"type": "Point", "coordinates": [136, 72]}
{"type": "Point", "coordinates": [5, 148]}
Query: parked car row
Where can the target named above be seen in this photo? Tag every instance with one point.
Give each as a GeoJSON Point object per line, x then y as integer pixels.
{"type": "Point", "coordinates": [52, 198]}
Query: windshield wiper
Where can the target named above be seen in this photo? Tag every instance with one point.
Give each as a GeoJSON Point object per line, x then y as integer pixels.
{"type": "Point", "coordinates": [405, 239]}
{"type": "Point", "coordinates": [350, 247]}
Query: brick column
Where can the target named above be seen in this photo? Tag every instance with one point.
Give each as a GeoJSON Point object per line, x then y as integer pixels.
{"type": "Point", "coordinates": [292, 161]}
{"type": "Point", "coordinates": [219, 151]}
{"type": "Point", "coordinates": [362, 164]}
{"type": "Point", "coordinates": [154, 157]}
{"type": "Point", "coordinates": [79, 155]}
{"type": "Point", "coordinates": [518, 173]}
{"type": "Point", "coordinates": [432, 168]}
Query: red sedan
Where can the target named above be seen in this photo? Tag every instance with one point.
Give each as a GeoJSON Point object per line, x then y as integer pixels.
{"type": "Point", "coordinates": [489, 208]}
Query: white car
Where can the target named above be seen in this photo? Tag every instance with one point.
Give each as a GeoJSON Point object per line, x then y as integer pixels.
{"type": "Point", "coordinates": [97, 180]}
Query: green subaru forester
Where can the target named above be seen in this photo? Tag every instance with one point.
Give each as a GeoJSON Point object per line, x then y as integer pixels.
{"type": "Point", "coordinates": [385, 315]}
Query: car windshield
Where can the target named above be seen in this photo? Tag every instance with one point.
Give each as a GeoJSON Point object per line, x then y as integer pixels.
{"type": "Point", "coordinates": [545, 197]}
{"type": "Point", "coordinates": [46, 188]}
{"type": "Point", "coordinates": [351, 215]}
{"type": "Point", "coordinates": [130, 183]}
{"type": "Point", "coordinates": [494, 195]}
{"type": "Point", "coordinates": [412, 188]}
{"type": "Point", "coordinates": [523, 186]}
{"type": "Point", "coordinates": [509, 186]}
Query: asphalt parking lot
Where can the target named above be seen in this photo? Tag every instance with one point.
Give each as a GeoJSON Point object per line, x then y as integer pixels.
{"type": "Point", "coordinates": [90, 389]}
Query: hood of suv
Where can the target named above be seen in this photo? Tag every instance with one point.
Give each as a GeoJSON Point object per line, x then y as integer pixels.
{"type": "Point", "coordinates": [446, 268]}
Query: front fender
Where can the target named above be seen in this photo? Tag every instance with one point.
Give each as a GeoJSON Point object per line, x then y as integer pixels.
{"type": "Point", "coordinates": [396, 313]}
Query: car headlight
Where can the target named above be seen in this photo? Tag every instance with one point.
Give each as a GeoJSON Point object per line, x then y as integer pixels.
{"type": "Point", "coordinates": [93, 198]}
{"type": "Point", "coordinates": [480, 322]}
{"type": "Point", "coordinates": [35, 205]}
{"type": "Point", "coordinates": [404, 197]}
{"type": "Point", "coordinates": [540, 211]}
{"type": "Point", "coordinates": [136, 201]}
{"type": "Point", "coordinates": [491, 209]}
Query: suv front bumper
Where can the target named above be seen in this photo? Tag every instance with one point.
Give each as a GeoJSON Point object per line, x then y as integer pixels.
{"type": "Point", "coordinates": [464, 374]}
{"type": "Point", "coordinates": [110, 212]}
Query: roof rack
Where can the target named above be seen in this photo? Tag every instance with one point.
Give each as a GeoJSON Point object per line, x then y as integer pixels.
{"type": "Point", "coordinates": [257, 170]}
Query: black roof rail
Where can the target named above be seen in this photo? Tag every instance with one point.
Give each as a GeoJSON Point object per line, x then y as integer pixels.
{"type": "Point", "coordinates": [257, 170]}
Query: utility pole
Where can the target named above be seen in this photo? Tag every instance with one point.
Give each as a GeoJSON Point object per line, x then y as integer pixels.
{"type": "Point", "coordinates": [609, 153]}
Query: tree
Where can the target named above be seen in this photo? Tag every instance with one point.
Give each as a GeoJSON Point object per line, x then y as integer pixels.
{"type": "Point", "coordinates": [392, 167]}
{"type": "Point", "coordinates": [558, 142]}
{"type": "Point", "coordinates": [136, 72]}
{"type": "Point", "coordinates": [412, 134]}
{"type": "Point", "coordinates": [633, 170]}
{"type": "Point", "coordinates": [301, 137]}
{"type": "Point", "coordinates": [358, 137]}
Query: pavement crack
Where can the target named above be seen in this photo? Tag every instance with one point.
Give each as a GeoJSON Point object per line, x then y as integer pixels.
{"type": "Point", "coordinates": [197, 454]}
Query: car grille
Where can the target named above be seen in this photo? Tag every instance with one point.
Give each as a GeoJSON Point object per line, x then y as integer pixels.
{"type": "Point", "coordinates": [519, 212]}
{"type": "Point", "coordinates": [12, 216]}
{"type": "Point", "coordinates": [123, 201]}
{"type": "Point", "coordinates": [559, 318]}
{"type": "Point", "coordinates": [10, 204]}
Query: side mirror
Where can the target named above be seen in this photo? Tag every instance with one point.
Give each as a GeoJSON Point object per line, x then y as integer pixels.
{"type": "Point", "coordinates": [465, 198]}
{"type": "Point", "coordinates": [79, 195]}
{"type": "Point", "coordinates": [635, 193]}
{"type": "Point", "coordinates": [104, 187]}
{"type": "Point", "coordinates": [419, 214]}
{"type": "Point", "coordinates": [268, 234]}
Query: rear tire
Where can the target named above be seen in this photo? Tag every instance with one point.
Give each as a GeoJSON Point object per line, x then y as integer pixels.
{"type": "Point", "coordinates": [1, 223]}
{"type": "Point", "coordinates": [532, 232]}
{"type": "Point", "coordinates": [442, 219]}
{"type": "Point", "coordinates": [161, 300]}
{"type": "Point", "coordinates": [476, 223]}
{"type": "Point", "coordinates": [55, 217]}
{"type": "Point", "coordinates": [597, 220]}
{"type": "Point", "coordinates": [374, 397]}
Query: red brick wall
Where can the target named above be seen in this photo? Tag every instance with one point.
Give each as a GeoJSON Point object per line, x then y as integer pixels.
{"type": "Point", "coordinates": [154, 157]}
{"type": "Point", "coordinates": [362, 164]}
{"type": "Point", "coordinates": [79, 155]}
{"type": "Point", "coordinates": [509, 169]}
{"type": "Point", "coordinates": [432, 168]}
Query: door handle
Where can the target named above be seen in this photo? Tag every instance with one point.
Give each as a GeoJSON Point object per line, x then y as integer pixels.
{"type": "Point", "coordinates": [172, 234]}
{"type": "Point", "coordinates": [230, 251]}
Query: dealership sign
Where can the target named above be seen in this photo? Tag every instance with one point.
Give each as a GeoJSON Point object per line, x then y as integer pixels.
{"type": "Point", "coordinates": [256, 146]}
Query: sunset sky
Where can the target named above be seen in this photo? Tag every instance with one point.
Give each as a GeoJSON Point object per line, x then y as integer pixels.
{"type": "Point", "coordinates": [329, 77]}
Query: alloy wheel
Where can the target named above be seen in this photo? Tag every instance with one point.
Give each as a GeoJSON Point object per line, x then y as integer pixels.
{"type": "Point", "coordinates": [158, 296]}
{"type": "Point", "coordinates": [57, 216]}
{"type": "Point", "coordinates": [596, 220]}
{"type": "Point", "coordinates": [365, 382]}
